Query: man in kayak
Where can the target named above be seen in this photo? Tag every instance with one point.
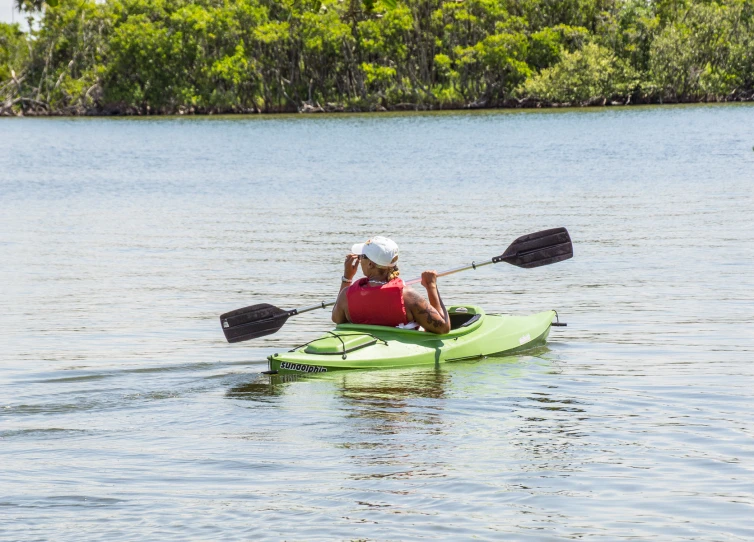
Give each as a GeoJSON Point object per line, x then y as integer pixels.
{"type": "Point", "coordinates": [380, 298]}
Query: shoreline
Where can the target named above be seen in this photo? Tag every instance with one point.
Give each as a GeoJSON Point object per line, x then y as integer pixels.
{"type": "Point", "coordinates": [330, 108]}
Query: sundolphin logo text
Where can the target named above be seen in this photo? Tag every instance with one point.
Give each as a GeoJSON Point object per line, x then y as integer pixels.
{"type": "Point", "coordinates": [302, 368]}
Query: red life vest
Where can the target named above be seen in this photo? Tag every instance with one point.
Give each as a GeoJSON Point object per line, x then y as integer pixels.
{"type": "Point", "coordinates": [376, 305]}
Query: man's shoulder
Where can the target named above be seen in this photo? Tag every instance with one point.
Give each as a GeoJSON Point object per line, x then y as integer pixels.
{"type": "Point", "coordinates": [342, 296]}
{"type": "Point", "coordinates": [411, 297]}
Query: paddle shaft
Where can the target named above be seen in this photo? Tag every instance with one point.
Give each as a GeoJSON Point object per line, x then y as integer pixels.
{"type": "Point", "coordinates": [474, 265]}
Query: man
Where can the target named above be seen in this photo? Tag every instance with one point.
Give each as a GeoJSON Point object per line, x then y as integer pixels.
{"type": "Point", "coordinates": [380, 297]}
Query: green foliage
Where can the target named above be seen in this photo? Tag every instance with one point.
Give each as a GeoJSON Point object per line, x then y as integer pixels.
{"type": "Point", "coordinates": [637, 27]}
{"type": "Point", "coordinates": [168, 56]}
{"type": "Point", "coordinates": [62, 56]}
{"type": "Point", "coordinates": [581, 77]}
{"type": "Point", "coordinates": [696, 57]}
{"type": "Point", "coordinates": [14, 50]}
{"type": "Point", "coordinates": [544, 48]}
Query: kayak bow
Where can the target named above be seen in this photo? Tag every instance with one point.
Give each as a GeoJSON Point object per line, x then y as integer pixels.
{"type": "Point", "coordinates": [473, 335]}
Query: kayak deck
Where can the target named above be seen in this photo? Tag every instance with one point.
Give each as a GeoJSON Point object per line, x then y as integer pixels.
{"type": "Point", "coordinates": [474, 334]}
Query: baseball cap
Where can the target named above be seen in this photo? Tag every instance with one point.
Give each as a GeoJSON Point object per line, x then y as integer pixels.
{"type": "Point", "coordinates": [380, 250]}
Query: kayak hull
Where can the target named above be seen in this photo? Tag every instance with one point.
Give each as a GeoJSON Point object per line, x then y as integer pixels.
{"type": "Point", "coordinates": [474, 335]}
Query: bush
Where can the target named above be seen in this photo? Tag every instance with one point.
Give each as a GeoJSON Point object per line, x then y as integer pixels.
{"type": "Point", "coordinates": [151, 56]}
{"type": "Point", "coordinates": [705, 55]}
{"type": "Point", "coordinates": [584, 76]}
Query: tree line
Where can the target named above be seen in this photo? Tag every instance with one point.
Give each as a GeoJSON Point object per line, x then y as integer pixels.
{"type": "Point", "coordinates": [221, 56]}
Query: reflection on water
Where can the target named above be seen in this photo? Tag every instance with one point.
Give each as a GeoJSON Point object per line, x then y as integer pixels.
{"type": "Point", "coordinates": [393, 385]}
{"type": "Point", "coordinates": [376, 409]}
{"type": "Point", "coordinates": [379, 408]}
{"type": "Point", "coordinates": [262, 387]}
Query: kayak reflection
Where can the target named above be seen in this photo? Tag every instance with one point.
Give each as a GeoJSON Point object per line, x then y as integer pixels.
{"type": "Point", "coordinates": [380, 385]}
{"type": "Point", "coordinates": [392, 386]}
{"type": "Point", "coordinates": [418, 422]}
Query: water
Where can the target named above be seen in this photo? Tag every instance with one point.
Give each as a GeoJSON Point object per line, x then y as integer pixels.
{"type": "Point", "coordinates": [125, 415]}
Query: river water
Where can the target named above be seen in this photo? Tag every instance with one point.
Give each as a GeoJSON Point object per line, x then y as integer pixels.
{"type": "Point", "coordinates": [125, 415]}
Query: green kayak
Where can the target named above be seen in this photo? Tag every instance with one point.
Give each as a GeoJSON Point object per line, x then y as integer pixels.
{"type": "Point", "coordinates": [473, 335]}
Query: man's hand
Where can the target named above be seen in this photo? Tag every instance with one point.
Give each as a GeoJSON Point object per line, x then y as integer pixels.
{"type": "Point", "coordinates": [350, 266]}
{"type": "Point", "coordinates": [429, 279]}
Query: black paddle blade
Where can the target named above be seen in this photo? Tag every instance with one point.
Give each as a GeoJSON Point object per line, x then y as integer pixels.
{"type": "Point", "coordinates": [537, 249]}
{"type": "Point", "coordinates": [252, 322]}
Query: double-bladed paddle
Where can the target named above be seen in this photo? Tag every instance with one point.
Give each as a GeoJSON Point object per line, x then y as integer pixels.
{"type": "Point", "coordinates": [528, 251]}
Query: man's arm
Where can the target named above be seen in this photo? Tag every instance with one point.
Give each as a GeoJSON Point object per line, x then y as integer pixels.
{"type": "Point", "coordinates": [431, 315]}
{"type": "Point", "coordinates": [340, 310]}
{"type": "Point", "coordinates": [339, 313]}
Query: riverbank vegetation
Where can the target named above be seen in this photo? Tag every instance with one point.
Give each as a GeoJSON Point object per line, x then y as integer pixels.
{"type": "Point", "coordinates": [219, 56]}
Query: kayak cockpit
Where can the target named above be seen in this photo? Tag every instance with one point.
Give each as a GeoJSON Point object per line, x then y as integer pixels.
{"type": "Point", "coordinates": [347, 338]}
{"type": "Point", "coordinates": [463, 319]}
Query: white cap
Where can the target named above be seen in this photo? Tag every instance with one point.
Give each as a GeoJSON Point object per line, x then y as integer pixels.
{"type": "Point", "coordinates": [380, 250]}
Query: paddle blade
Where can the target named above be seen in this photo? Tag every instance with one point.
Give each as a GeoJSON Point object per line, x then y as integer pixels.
{"type": "Point", "coordinates": [252, 322]}
{"type": "Point", "coordinates": [537, 249]}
